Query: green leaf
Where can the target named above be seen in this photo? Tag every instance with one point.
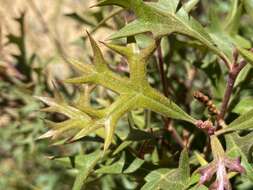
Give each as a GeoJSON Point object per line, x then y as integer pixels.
{"type": "Point", "coordinates": [157, 179]}
{"type": "Point", "coordinates": [72, 161]}
{"type": "Point", "coordinates": [177, 179]}
{"type": "Point", "coordinates": [248, 4]}
{"type": "Point", "coordinates": [217, 149]}
{"type": "Point", "coordinates": [89, 162]}
{"type": "Point", "coordinates": [233, 18]}
{"type": "Point", "coordinates": [243, 122]}
{"type": "Point", "coordinates": [162, 18]}
{"type": "Point", "coordinates": [77, 119]}
{"type": "Point", "coordinates": [225, 33]}
{"type": "Point", "coordinates": [244, 105]}
{"type": "Point", "coordinates": [189, 5]}
{"type": "Point", "coordinates": [195, 179]}
{"type": "Point", "coordinates": [248, 55]}
{"type": "Point", "coordinates": [62, 107]}
{"type": "Point", "coordinates": [115, 168]}
{"type": "Point", "coordinates": [135, 165]}
{"type": "Point", "coordinates": [243, 75]}
{"type": "Point", "coordinates": [200, 159]}
{"type": "Point", "coordinates": [133, 92]}
{"type": "Point", "coordinates": [122, 146]}
{"type": "Point", "coordinates": [199, 187]}
{"type": "Point", "coordinates": [241, 147]}
{"type": "Point", "coordinates": [217, 33]}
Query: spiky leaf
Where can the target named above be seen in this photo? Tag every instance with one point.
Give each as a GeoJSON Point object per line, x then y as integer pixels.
{"type": "Point", "coordinates": [178, 179]}
{"type": "Point", "coordinates": [133, 92]}
{"type": "Point", "coordinates": [162, 18]}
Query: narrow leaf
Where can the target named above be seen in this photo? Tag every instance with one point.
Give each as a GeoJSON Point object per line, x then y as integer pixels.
{"type": "Point", "coordinates": [248, 55]}
{"type": "Point", "coordinates": [135, 165]}
{"type": "Point", "coordinates": [89, 162]}
{"type": "Point", "coordinates": [243, 122]}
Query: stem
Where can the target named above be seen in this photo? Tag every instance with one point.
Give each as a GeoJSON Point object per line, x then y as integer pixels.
{"type": "Point", "coordinates": [228, 65]}
{"type": "Point", "coordinates": [161, 69]}
{"type": "Point", "coordinates": [233, 73]}
{"type": "Point", "coordinates": [169, 127]}
{"type": "Point", "coordinates": [167, 121]}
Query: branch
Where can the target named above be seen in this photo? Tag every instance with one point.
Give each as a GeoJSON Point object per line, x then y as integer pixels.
{"type": "Point", "coordinates": [174, 133]}
{"type": "Point", "coordinates": [161, 69]}
{"type": "Point", "coordinates": [233, 73]}
{"type": "Point", "coordinates": [226, 62]}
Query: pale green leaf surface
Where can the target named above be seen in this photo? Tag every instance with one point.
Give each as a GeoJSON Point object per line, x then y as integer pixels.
{"type": "Point", "coordinates": [122, 146]}
{"type": "Point", "coordinates": [244, 105]}
{"type": "Point", "coordinates": [134, 92]}
{"type": "Point", "coordinates": [199, 187]}
{"type": "Point", "coordinates": [135, 165]}
{"type": "Point", "coordinates": [243, 122]}
{"type": "Point", "coordinates": [89, 162]}
{"type": "Point", "coordinates": [161, 18]}
{"type": "Point", "coordinates": [115, 168]}
{"type": "Point", "coordinates": [177, 179]}
{"type": "Point", "coordinates": [189, 5]}
{"type": "Point", "coordinates": [233, 18]}
{"type": "Point", "coordinates": [77, 119]}
{"type": "Point", "coordinates": [248, 55]}
{"type": "Point", "coordinates": [243, 75]}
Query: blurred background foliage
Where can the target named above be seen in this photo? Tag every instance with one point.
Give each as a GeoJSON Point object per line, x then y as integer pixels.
{"type": "Point", "coordinates": [36, 37]}
{"type": "Point", "coordinates": [36, 40]}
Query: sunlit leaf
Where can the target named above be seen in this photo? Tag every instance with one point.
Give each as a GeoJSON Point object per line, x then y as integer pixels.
{"type": "Point", "coordinates": [161, 18]}
{"type": "Point", "coordinates": [243, 122]}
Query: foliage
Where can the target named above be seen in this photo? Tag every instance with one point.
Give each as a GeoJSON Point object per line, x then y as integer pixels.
{"type": "Point", "coordinates": [130, 117]}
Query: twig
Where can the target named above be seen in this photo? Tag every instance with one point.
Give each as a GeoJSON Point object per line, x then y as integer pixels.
{"type": "Point", "coordinates": [233, 73]}
{"type": "Point", "coordinates": [161, 69]}
{"type": "Point", "coordinates": [169, 127]}
{"type": "Point", "coordinates": [225, 60]}
{"type": "Point", "coordinates": [167, 122]}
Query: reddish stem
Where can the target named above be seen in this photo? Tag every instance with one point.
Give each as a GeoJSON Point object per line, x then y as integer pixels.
{"type": "Point", "coordinates": [167, 122]}
{"type": "Point", "coordinates": [233, 73]}
{"type": "Point", "coordinates": [161, 69]}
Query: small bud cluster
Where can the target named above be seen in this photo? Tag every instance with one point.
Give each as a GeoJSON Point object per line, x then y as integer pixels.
{"type": "Point", "coordinates": [207, 126]}
{"type": "Point", "coordinates": [207, 102]}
